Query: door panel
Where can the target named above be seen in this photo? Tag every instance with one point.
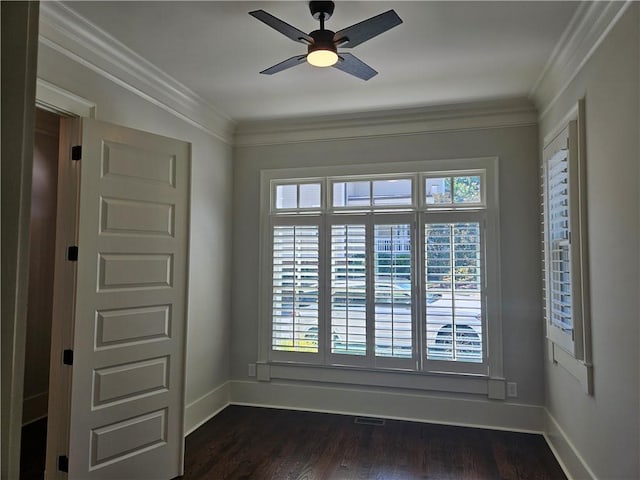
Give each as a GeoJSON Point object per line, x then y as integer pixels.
{"type": "Point", "coordinates": [127, 392]}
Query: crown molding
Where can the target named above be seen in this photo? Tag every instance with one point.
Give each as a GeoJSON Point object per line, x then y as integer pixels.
{"type": "Point", "coordinates": [80, 40]}
{"type": "Point", "coordinates": [478, 115]}
{"type": "Point", "coordinates": [587, 29]}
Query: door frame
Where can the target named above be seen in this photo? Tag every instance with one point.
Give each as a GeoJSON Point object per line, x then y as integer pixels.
{"type": "Point", "coordinates": [65, 104]}
{"type": "Point", "coordinates": [63, 300]}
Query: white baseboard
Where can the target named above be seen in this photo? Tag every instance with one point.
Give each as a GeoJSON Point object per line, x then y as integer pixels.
{"type": "Point", "coordinates": [568, 457]}
{"type": "Point", "coordinates": [206, 407]}
{"type": "Point", "coordinates": [34, 407]}
{"type": "Point", "coordinates": [399, 405]}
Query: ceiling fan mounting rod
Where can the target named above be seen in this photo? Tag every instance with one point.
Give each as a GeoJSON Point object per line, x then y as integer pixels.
{"type": "Point", "coordinates": [321, 11]}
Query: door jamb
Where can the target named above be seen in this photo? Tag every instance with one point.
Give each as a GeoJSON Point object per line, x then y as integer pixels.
{"type": "Point", "coordinates": [65, 104]}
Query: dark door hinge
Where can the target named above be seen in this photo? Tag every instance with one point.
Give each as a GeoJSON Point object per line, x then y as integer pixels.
{"type": "Point", "coordinates": [72, 253]}
{"type": "Point", "coordinates": [76, 152]}
{"type": "Point", "coordinates": [63, 463]}
{"type": "Point", "coordinates": [67, 357]}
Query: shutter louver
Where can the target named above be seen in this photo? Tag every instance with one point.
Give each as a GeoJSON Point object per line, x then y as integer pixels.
{"type": "Point", "coordinates": [295, 288]}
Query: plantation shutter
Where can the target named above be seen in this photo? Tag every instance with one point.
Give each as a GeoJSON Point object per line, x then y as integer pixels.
{"type": "Point", "coordinates": [392, 295]}
{"type": "Point", "coordinates": [348, 289]}
{"type": "Point", "coordinates": [560, 309]}
{"type": "Point", "coordinates": [453, 301]}
{"type": "Point", "coordinates": [295, 288]}
{"type": "Point", "coordinates": [565, 246]}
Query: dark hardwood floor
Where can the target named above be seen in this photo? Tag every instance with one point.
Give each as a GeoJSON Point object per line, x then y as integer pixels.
{"type": "Point", "coordinates": [260, 444]}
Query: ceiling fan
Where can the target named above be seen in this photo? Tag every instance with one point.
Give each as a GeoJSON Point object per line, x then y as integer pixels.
{"type": "Point", "coordinates": [322, 44]}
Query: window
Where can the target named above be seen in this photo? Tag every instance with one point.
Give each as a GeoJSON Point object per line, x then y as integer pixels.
{"type": "Point", "coordinates": [295, 287]}
{"type": "Point", "coordinates": [453, 279]}
{"type": "Point", "coordinates": [453, 191]}
{"type": "Point", "coordinates": [348, 289]}
{"type": "Point", "coordinates": [352, 194]}
{"type": "Point", "coordinates": [563, 213]}
{"type": "Point", "coordinates": [297, 196]}
{"type": "Point", "coordinates": [382, 271]}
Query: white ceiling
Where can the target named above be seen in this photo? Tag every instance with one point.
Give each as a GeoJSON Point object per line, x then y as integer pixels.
{"type": "Point", "coordinates": [444, 52]}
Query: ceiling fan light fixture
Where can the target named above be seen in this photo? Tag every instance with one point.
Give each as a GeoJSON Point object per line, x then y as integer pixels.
{"type": "Point", "coordinates": [322, 58]}
{"type": "Point", "coordinates": [322, 52]}
{"type": "Point", "coordinates": [322, 44]}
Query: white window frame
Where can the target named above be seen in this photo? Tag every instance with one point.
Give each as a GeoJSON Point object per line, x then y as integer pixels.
{"type": "Point", "coordinates": [572, 350]}
{"type": "Point", "coordinates": [297, 182]}
{"type": "Point", "coordinates": [357, 371]}
{"type": "Point", "coordinates": [479, 216]}
{"type": "Point", "coordinates": [287, 356]}
{"type": "Point", "coordinates": [344, 359]}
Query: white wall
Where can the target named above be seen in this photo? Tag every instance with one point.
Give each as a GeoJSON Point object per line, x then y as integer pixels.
{"type": "Point", "coordinates": [210, 245]}
{"type": "Point", "coordinates": [517, 150]}
{"type": "Point", "coordinates": [604, 428]}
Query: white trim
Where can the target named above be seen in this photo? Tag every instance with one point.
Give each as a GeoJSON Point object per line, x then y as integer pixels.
{"type": "Point", "coordinates": [585, 32]}
{"type": "Point", "coordinates": [557, 130]}
{"type": "Point", "coordinates": [75, 37]}
{"type": "Point", "coordinates": [55, 99]}
{"type": "Point", "coordinates": [204, 408]}
{"type": "Point", "coordinates": [561, 45]}
{"type": "Point", "coordinates": [580, 370]}
{"type": "Point", "coordinates": [392, 404]}
{"type": "Point", "coordinates": [468, 116]}
{"type": "Point", "coordinates": [408, 168]}
{"type": "Point", "coordinates": [572, 463]}
{"type": "Point", "coordinates": [390, 378]}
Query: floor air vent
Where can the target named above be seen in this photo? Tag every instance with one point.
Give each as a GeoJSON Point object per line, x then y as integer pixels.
{"type": "Point", "coordinates": [377, 422]}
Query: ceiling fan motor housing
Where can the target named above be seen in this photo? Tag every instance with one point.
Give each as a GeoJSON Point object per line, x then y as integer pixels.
{"type": "Point", "coordinates": [322, 40]}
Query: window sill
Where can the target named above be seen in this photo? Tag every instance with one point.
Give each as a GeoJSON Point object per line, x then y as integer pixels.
{"type": "Point", "coordinates": [493, 388]}
{"type": "Point", "coordinates": [582, 371]}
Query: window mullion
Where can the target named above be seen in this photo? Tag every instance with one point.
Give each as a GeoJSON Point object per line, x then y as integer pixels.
{"type": "Point", "coordinates": [370, 308]}
{"type": "Point", "coordinates": [417, 293]}
{"type": "Point", "coordinates": [421, 286]}
{"type": "Point", "coordinates": [324, 330]}
{"type": "Point", "coordinates": [452, 260]}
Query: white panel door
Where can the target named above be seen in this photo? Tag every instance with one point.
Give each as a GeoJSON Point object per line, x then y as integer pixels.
{"type": "Point", "coordinates": [127, 384]}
